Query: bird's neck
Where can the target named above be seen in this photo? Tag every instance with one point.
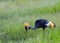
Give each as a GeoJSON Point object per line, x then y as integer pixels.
{"type": "Point", "coordinates": [33, 28]}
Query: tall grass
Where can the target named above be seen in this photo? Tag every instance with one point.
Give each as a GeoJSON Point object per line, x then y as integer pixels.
{"type": "Point", "coordinates": [14, 13]}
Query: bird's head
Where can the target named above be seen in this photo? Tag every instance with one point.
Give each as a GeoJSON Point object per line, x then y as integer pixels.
{"type": "Point", "coordinates": [52, 25]}
{"type": "Point", "coordinates": [27, 26]}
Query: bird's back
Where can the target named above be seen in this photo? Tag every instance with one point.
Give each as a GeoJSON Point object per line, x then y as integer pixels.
{"type": "Point", "coordinates": [41, 23]}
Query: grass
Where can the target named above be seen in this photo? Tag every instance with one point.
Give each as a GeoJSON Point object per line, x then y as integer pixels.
{"type": "Point", "coordinates": [14, 13]}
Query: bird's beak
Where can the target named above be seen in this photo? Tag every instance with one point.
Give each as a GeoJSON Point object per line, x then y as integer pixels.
{"type": "Point", "coordinates": [27, 28]}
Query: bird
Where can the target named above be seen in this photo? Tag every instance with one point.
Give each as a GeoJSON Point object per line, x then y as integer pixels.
{"type": "Point", "coordinates": [41, 23]}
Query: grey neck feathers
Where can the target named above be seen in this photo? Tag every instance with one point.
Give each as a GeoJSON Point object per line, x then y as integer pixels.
{"type": "Point", "coordinates": [33, 28]}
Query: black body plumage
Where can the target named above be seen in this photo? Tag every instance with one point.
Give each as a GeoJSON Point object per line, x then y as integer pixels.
{"type": "Point", "coordinates": [40, 24]}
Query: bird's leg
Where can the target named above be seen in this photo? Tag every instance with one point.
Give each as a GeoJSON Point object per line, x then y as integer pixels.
{"type": "Point", "coordinates": [44, 33]}
{"type": "Point", "coordinates": [43, 30]}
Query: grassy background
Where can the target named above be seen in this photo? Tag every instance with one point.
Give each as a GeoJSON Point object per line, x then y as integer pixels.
{"type": "Point", "coordinates": [14, 13]}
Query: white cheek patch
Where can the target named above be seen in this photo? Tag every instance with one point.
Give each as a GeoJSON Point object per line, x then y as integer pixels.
{"type": "Point", "coordinates": [48, 24]}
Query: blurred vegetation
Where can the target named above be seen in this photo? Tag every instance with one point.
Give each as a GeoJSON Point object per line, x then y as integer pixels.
{"type": "Point", "coordinates": [14, 13]}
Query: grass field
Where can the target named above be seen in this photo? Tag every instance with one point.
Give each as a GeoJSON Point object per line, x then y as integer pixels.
{"type": "Point", "coordinates": [14, 13]}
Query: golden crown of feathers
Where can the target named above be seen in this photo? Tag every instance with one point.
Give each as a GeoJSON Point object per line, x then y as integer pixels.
{"type": "Point", "coordinates": [26, 24]}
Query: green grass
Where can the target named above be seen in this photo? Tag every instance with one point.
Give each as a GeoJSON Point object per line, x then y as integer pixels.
{"type": "Point", "coordinates": [14, 13]}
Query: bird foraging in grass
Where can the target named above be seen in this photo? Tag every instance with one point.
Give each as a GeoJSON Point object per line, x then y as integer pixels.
{"type": "Point", "coordinates": [42, 23]}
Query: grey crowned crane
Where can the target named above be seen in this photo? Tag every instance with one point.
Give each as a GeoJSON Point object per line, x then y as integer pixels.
{"type": "Point", "coordinates": [42, 23]}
